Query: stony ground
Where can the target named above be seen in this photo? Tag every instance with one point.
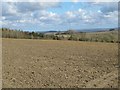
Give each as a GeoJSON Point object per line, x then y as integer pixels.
{"type": "Point", "coordinates": [54, 64]}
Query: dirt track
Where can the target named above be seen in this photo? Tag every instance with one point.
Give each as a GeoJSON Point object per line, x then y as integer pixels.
{"type": "Point", "coordinates": [54, 64]}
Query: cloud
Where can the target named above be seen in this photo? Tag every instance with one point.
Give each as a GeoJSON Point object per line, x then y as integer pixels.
{"type": "Point", "coordinates": [12, 8]}
{"type": "Point", "coordinates": [25, 10]}
{"type": "Point", "coordinates": [80, 16]}
{"type": "Point", "coordinates": [99, 1]}
{"type": "Point", "coordinates": [88, 17]}
{"type": "Point", "coordinates": [49, 18]}
{"type": "Point", "coordinates": [30, 1]}
{"type": "Point", "coordinates": [75, 1]}
{"type": "Point", "coordinates": [27, 14]}
{"type": "Point", "coordinates": [70, 14]}
{"type": "Point", "coordinates": [32, 6]}
{"type": "Point", "coordinates": [96, 1]}
{"type": "Point", "coordinates": [110, 7]}
{"type": "Point", "coordinates": [112, 15]}
{"type": "Point", "coordinates": [46, 17]}
{"type": "Point", "coordinates": [8, 9]}
{"type": "Point", "coordinates": [107, 7]}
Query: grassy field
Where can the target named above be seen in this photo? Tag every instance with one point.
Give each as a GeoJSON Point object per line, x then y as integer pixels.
{"type": "Point", "coordinates": [55, 64]}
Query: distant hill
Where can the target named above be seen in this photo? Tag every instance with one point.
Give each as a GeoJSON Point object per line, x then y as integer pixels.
{"type": "Point", "coordinates": [97, 30]}
{"type": "Point", "coordinates": [50, 32]}
{"type": "Point", "coordinates": [74, 31]}
{"type": "Point", "coordinates": [71, 32]}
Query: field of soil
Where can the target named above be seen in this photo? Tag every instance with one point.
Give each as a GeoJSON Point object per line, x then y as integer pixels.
{"type": "Point", "coordinates": [59, 64]}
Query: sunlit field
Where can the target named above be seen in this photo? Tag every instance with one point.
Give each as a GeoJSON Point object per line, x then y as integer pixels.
{"type": "Point", "coordinates": [54, 64]}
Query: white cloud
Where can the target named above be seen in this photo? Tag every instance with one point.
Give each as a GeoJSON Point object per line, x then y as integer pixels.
{"type": "Point", "coordinates": [70, 14]}
{"type": "Point", "coordinates": [8, 9]}
{"type": "Point", "coordinates": [3, 18]}
{"type": "Point", "coordinates": [26, 11]}
{"type": "Point", "coordinates": [30, 0]}
{"type": "Point", "coordinates": [90, 17]}
{"type": "Point", "coordinates": [11, 8]}
{"type": "Point", "coordinates": [75, 1]}
{"type": "Point", "coordinates": [97, 1]}
{"type": "Point", "coordinates": [37, 14]}
{"type": "Point", "coordinates": [112, 15]}
{"type": "Point", "coordinates": [49, 17]}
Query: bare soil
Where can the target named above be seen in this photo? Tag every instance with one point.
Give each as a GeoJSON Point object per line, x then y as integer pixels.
{"type": "Point", "coordinates": [59, 64]}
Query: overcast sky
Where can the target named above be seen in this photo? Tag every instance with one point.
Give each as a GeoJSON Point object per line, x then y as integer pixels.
{"type": "Point", "coordinates": [45, 16]}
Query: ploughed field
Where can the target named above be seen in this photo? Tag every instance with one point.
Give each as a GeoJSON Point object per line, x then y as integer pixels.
{"type": "Point", "coordinates": [59, 64]}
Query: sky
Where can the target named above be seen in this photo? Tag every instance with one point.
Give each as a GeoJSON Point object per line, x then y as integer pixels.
{"type": "Point", "coordinates": [59, 16]}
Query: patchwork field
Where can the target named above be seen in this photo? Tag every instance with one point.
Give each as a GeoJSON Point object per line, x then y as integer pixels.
{"type": "Point", "coordinates": [59, 64]}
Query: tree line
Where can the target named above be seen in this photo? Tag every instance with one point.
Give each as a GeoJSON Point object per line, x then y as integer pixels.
{"type": "Point", "coordinates": [19, 34]}
{"type": "Point", "coordinates": [68, 35]}
{"type": "Point", "coordinates": [9, 33]}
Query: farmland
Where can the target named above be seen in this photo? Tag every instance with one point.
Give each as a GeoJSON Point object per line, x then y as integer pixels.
{"type": "Point", "coordinates": [53, 64]}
